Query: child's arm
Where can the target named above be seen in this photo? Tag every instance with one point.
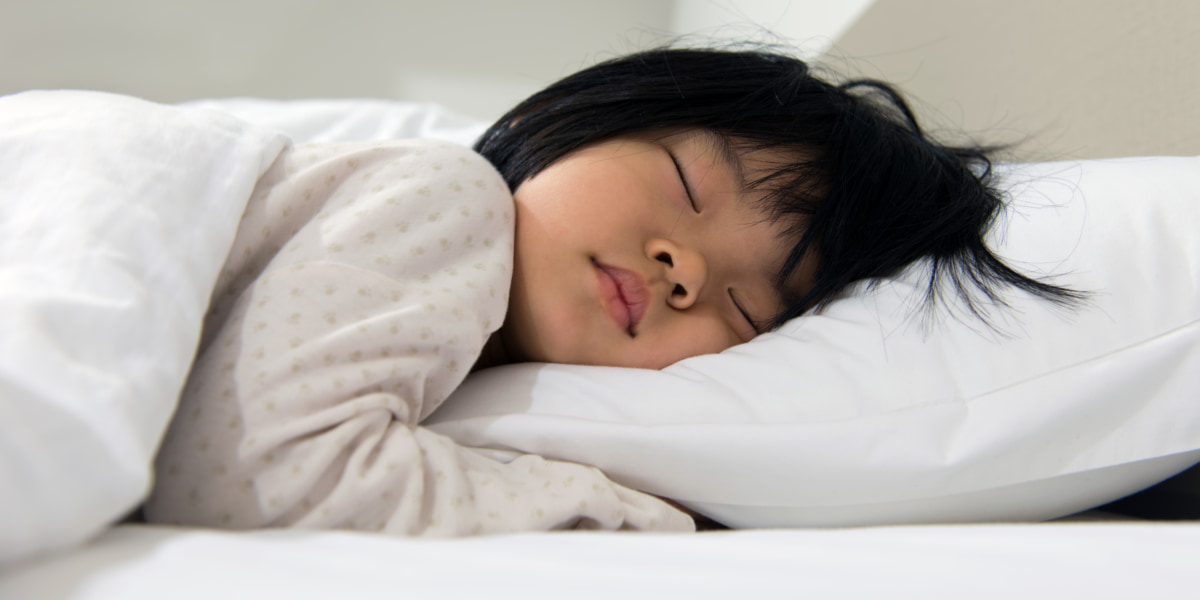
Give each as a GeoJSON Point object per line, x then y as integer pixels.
{"type": "Point", "coordinates": [362, 285]}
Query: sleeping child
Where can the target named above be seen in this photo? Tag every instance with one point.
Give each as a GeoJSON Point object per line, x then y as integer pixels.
{"type": "Point", "coordinates": [651, 208]}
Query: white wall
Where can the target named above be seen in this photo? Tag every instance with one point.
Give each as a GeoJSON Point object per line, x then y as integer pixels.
{"type": "Point", "coordinates": [809, 25]}
{"type": "Point", "coordinates": [476, 56]}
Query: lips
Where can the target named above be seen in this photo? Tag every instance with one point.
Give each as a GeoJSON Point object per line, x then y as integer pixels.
{"type": "Point", "coordinates": [624, 295]}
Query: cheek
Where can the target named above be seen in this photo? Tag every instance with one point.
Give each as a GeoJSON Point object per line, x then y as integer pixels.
{"type": "Point", "coordinates": [542, 315]}
{"type": "Point", "coordinates": [691, 337]}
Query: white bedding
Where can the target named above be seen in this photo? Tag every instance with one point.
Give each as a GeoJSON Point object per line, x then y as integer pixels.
{"type": "Point", "coordinates": [1095, 560]}
{"type": "Point", "coordinates": [1063, 560]}
{"type": "Point", "coordinates": [115, 216]}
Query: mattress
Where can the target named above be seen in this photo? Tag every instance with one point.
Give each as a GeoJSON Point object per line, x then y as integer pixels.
{"type": "Point", "coordinates": [1048, 560]}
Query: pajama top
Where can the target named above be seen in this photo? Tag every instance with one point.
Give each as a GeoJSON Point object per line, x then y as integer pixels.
{"type": "Point", "coordinates": [364, 280]}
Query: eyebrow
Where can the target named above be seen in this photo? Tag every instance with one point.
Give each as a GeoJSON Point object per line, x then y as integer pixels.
{"type": "Point", "coordinates": [727, 154]}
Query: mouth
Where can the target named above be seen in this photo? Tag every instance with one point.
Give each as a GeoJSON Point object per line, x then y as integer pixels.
{"type": "Point", "coordinates": [624, 296]}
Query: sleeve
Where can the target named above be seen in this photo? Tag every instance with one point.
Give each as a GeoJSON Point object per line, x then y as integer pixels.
{"type": "Point", "coordinates": [363, 283]}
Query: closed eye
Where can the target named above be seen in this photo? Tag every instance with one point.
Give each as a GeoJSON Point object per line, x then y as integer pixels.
{"type": "Point", "coordinates": [687, 189]}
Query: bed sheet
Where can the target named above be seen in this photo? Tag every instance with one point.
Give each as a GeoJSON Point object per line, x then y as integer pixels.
{"type": "Point", "coordinates": [1068, 560]}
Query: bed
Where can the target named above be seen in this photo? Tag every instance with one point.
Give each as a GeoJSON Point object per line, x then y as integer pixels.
{"type": "Point", "coordinates": [963, 484]}
{"type": "Point", "coordinates": [1091, 560]}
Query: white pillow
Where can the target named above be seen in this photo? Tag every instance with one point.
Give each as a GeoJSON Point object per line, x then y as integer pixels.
{"type": "Point", "coordinates": [115, 216]}
{"type": "Point", "coordinates": [860, 415]}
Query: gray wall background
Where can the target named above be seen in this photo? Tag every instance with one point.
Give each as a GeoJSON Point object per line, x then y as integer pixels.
{"type": "Point", "coordinates": [478, 57]}
{"type": "Point", "coordinates": [1074, 78]}
{"type": "Point", "coordinates": [475, 53]}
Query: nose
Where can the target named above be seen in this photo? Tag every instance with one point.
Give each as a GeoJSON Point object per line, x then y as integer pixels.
{"type": "Point", "coordinates": [684, 269]}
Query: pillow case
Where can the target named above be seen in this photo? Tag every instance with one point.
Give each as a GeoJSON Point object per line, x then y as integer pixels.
{"type": "Point", "coordinates": [867, 413]}
{"type": "Point", "coordinates": [116, 215]}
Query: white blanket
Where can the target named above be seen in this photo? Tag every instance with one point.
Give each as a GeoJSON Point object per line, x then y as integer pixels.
{"type": "Point", "coordinates": [115, 215]}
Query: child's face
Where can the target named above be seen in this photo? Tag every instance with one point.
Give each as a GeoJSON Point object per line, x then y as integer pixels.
{"type": "Point", "coordinates": [623, 259]}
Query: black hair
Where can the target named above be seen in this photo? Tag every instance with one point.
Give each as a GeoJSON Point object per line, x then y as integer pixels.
{"type": "Point", "coordinates": [868, 194]}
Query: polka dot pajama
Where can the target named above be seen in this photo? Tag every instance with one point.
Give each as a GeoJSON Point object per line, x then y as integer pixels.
{"type": "Point", "coordinates": [363, 282]}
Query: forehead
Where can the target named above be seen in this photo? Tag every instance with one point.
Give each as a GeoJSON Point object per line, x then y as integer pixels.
{"type": "Point", "coordinates": [719, 147]}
